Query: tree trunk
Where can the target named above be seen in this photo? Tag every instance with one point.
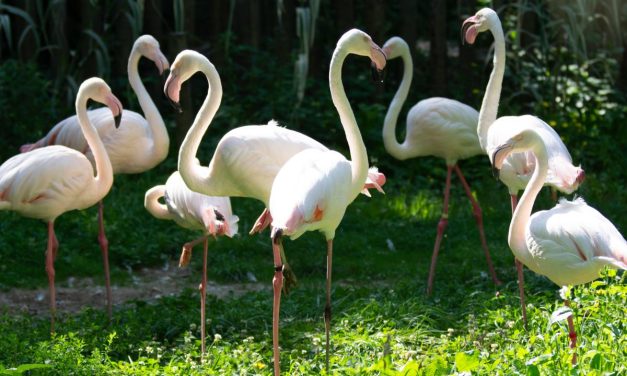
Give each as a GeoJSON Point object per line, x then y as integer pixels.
{"type": "Point", "coordinates": [466, 8]}
{"type": "Point", "coordinates": [285, 30]}
{"type": "Point", "coordinates": [527, 23]}
{"type": "Point", "coordinates": [438, 50]}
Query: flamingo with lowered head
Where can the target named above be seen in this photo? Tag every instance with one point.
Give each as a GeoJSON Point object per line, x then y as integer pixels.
{"type": "Point", "coordinates": [439, 127]}
{"type": "Point", "coordinates": [49, 181]}
{"type": "Point", "coordinates": [138, 145]}
{"type": "Point", "coordinates": [569, 243]}
{"type": "Point", "coordinates": [247, 158]}
{"type": "Point", "coordinates": [314, 188]}
{"type": "Point", "coordinates": [518, 167]}
{"type": "Point", "coordinates": [211, 215]}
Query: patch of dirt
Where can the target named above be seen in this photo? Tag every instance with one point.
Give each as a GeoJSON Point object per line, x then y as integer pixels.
{"type": "Point", "coordinates": [147, 284]}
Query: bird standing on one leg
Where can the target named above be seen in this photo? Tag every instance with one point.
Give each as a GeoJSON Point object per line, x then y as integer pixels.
{"type": "Point", "coordinates": [211, 215]}
{"type": "Point", "coordinates": [314, 188]}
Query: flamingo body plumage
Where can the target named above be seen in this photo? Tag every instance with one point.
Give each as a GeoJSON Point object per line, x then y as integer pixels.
{"type": "Point", "coordinates": [439, 127]}
{"type": "Point", "coordinates": [570, 243]}
{"type": "Point", "coordinates": [46, 182]}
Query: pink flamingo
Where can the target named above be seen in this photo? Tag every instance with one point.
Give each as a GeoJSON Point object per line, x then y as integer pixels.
{"type": "Point", "coordinates": [211, 215]}
{"type": "Point", "coordinates": [247, 158]}
{"type": "Point", "coordinates": [440, 127]}
{"type": "Point", "coordinates": [517, 168]}
{"type": "Point", "coordinates": [137, 146]}
{"type": "Point", "coordinates": [570, 243]}
{"type": "Point", "coordinates": [49, 181]}
{"type": "Point", "coordinates": [314, 188]}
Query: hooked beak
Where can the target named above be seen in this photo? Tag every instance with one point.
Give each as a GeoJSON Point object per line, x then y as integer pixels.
{"type": "Point", "coordinates": [115, 106]}
{"type": "Point", "coordinates": [161, 62]}
{"type": "Point", "coordinates": [379, 60]}
{"type": "Point", "coordinates": [499, 156]}
{"type": "Point", "coordinates": [172, 90]}
{"type": "Point", "coordinates": [581, 176]}
{"type": "Point", "coordinates": [469, 31]}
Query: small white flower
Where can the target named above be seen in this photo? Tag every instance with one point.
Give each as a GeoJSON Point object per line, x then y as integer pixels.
{"type": "Point", "coordinates": [565, 292]}
{"type": "Point", "coordinates": [217, 337]}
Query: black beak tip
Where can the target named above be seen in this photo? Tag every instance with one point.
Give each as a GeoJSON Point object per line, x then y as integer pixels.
{"type": "Point", "coordinates": [495, 172]}
{"type": "Point", "coordinates": [117, 120]}
{"type": "Point", "coordinates": [176, 105]}
{"type": "Point", "coordinates": [378, 75]}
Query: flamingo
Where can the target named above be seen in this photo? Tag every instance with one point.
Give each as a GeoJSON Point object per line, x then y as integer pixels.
{"type": "Point", "coordinates": [247, 158]}
{"type": "Point", "coordinates": [517, 168]}
{"type": "Point", "coordinates": [49, 181]}
{"type": "Point", "coordinates": [440, 127]}
{"type": "Point", "coordinates": [314, 188]}
{"type": "Point", "coordinates": [211, 215]}
{"type": "Point", "coordinates": [569, 243]}
{"type": "Point", "coordinates": [137, 146]}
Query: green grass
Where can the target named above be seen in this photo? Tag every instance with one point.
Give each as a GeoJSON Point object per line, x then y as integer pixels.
{"type": "Point", "coordinates": [383, 324]}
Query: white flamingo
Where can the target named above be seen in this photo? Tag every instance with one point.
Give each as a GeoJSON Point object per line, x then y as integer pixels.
{"type": "Point", "coordinates": [314, 188]}
{"type": "Point", "coordinates": [210, 215]}
{"type": "Point", "coordinates": [49, 181]}
{"type": "Point", "coordinates": [518, 167]}
{"type": "Point", "coordinates": [137, 146]}
{"type": "Point", "coordinates": [439, 127]}
{"type": "Point", "coordinates": [570, 243]}
{"type": "Point", "coordinates": [247, 158]}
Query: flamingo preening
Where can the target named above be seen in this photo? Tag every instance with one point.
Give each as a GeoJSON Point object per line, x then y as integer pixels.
{"type": "Point", "coordinates": [569, 243]}
{"type": "Point", "coordinates": [210, 215]}
{"type": "Point", "coordinates": [49, 181]}
{"type": "Point", "coordinates": [139, 144]}
{"type": "Point", "coordinates": [518, 167]}
{"type": "Point", "coordinates": [439, 127]}
{"type": "Point", "coordinates": [314, 188]}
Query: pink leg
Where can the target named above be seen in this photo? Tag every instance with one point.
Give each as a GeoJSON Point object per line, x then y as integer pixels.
{"type": "Point", "coordinates": [186, 252]}
{"type": "Point", "coordinates": [327, 308]}
{"type": "Point", "coordinates": [521, 290]}
{"type": "Point", "coordinates": [277, 284]}
{"type": "Point", "coordinates": [572, 334]}
{"type": "Point", "coordinates": [519, 272]}
{"type": "Point", "coordinates": [104, 246]}
{"type": "Point", "coordinates": [441, 227]}
{"type": "Point", "coordinates": [476, 209]}
{"type": "Point", "coordinates": [51, 252]}
{"type": "Point", "coordinates": [203, 296]}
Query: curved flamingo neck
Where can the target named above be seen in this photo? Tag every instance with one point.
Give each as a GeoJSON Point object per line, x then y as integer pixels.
{"type": "Point", "coordinates": [490, 104]}
{"type": "Point", "coordinates": [161, 141]}
{"type": "Point", "coordinates": [195, 175]}
{"type": "Point", "coordinates": [391, 117]}
{"type": "Point", "coordinates": [359, 155]}
{"type": "Point", "coordinates": [522, 213]}
{"type": "Point", "coordinates": [152, 204]}
{"type": "Point", "coordinates": [104, 172]}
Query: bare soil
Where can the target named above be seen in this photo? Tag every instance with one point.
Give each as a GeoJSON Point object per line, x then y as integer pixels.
{"type": "Point", "coordinates": [147, 284]}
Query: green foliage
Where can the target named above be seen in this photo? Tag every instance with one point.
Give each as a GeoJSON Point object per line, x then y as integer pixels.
{"type": "Point", "coordinates": [26, 106]}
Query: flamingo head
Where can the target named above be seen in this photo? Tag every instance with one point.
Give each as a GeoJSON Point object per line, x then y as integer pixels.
{"type": "Point", "coordinates": [395, 47]}
{"type": "Point", "coordinates": [360, 43]}
{"type": "Point", "coordinates": [218, 223]}
{"type": "Point", "coordinates": [98, 90]}
{"type": "Point", "coordinates": [148, 46]}
{"type": "Point", "coordinates": [374, 180]}
{"type": "Point", "coordinates": [187, 63]}
{"type": "Point", "coordinates": [527, 139]}
{"type": "Point", "coordinates": [480, 22]}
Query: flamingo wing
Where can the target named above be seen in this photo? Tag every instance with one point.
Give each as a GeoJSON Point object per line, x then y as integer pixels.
{"type": "Point", "coordinates": [46, 182]}
{"type": "Point", "coordinates": [574, 242]}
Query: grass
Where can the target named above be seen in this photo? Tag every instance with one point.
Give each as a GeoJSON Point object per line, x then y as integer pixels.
{"type": "Point", "coordinates": [383, 324]}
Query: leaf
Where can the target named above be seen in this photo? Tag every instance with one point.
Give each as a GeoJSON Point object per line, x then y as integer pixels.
{"type": "Point", "coordinates": [437, 366]}
{"type": "Point", "coordinates": [466, 361]}
{"type": "Point", "coordinates": [532, 370]}
{"type": "Point", "coordinates": [560, 314]}
{"type": "Point", "coordinates": [29, 367]}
